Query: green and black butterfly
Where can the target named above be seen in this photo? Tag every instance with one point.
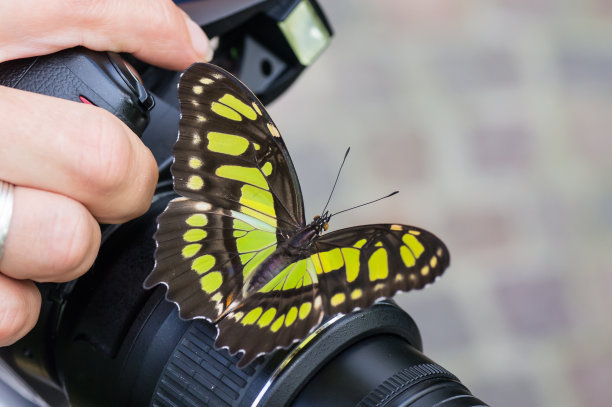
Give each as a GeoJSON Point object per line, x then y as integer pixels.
{"type": "Point", "coordinates": [235, 248]}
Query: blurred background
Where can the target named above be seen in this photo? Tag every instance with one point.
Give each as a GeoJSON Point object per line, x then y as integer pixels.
{"type": "Point", "coordinates": [494, 120]}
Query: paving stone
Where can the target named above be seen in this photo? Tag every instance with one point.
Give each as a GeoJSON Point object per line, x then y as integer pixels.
{"type": "Point", "coordinates": [592, 379]}
{"type": "Point", "coordinates": [501, 148]}
{"type": "Point", "coordinates": [474, 69]}
{"type": "Point", "coordinates": [401, 155]}
{"type": "Point", "coordinates": [534, 307]}
{"type": "Point", "coordinates": [508, 392]}
{"type": "Point", "coordinates": [478, 229]}
{"type": "Point", "coordinates": [441, 323]}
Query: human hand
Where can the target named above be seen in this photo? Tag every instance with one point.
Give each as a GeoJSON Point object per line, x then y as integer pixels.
{"type": "Point", "coordinates": [74, 165]}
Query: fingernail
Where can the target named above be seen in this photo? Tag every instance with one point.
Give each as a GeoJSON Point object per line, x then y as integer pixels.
{"type": "Point", "coordinates": [199, 40]}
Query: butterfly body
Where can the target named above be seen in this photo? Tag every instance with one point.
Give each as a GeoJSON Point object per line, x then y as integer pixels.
{"type": "Point", "coordinates": [235, 248]}
{"type": "Point", "coordinates": [296, 247]}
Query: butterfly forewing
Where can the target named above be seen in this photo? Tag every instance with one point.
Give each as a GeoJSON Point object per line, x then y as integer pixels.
{"type": "Point", "coordinates": [230, 151]}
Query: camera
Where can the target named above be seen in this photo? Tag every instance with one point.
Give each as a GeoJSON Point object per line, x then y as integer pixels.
{"type": "Point", "coordinates": [103, 340]}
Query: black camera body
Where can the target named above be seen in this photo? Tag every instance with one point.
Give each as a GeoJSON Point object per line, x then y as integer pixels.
{"type": "Point", "coordinates": [103, 340]}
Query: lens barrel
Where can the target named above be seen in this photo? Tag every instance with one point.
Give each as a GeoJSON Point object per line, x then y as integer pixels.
{"type": "Point", "coordinates": [356, 378]}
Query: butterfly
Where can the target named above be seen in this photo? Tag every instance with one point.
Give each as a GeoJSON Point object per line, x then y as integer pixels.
{"type": "Point", "coordinates": [235, 248]}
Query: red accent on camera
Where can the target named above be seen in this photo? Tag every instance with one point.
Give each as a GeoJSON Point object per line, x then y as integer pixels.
{"type": "Point", "coordinates": [85, 100]}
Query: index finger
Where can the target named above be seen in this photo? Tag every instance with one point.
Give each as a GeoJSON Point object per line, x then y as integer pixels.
{"type": "Point", "coordinates": [77, 150]}
{"type": "Point", "coordinates": [156, 31]}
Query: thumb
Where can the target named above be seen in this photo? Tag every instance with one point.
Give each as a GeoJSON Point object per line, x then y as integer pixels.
{"type": "Point", "coordinates": [155, 31]}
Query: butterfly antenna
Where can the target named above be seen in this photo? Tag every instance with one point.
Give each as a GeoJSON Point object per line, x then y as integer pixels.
{"type": "Point", "coordinates": [336, 181]}
{"type": "Point", "coordinates": [367, 203]}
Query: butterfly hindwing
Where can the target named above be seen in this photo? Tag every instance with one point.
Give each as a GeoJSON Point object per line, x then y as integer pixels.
{"type": "Point", "coordinates": [359, 265]}
{"type": "Point", "coordinates": [230, 151]}
{"type": "Point", "coordinates": [281, 312]}
{"type": "Point", "coordinates": [270, 320]}
{"type": "Point", "coordinates": [205, 253]}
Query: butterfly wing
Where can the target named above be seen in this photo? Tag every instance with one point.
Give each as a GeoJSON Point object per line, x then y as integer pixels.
{"type": "Point", "coordinates": [240, 194]}
{"type": "Point", "coordinates": [204, 254]}
{"type": "Point", "coordinates": [282, 312]}
{"type": "Point", "coordinates": [269, 321]}
{"type": "Point", "coordinates": [347, 270]}
{"type": "Point", "coordinates": [359, 265]}
{"type": "Point", "coordinates": [230, 153]}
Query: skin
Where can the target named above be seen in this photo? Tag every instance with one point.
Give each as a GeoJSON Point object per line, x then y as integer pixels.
{"type": "Point", "coordinates": [74, 165]}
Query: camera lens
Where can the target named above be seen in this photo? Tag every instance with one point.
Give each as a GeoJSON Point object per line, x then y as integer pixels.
{"type": "Point", "coordinates": [380, 370]}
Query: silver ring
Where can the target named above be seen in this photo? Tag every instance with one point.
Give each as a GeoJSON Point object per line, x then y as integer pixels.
{"type": "Point", "coordinates": [6, 211]}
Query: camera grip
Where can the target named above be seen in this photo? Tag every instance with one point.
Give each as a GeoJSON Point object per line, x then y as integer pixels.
{"type": "Point", "coordinates": [103, 79]}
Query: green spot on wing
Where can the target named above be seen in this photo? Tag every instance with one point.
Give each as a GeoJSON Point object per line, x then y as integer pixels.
{"type": "Point", "coordinates": [413, 244]}
{"type": "Point", "coordinates": [258, 199]}
{"type": "Point", "coordinates": [230, 144]}
{"type": "Point", "coordinates": [242, 225]}
{"type": "Point", "coordinates": [247, 175]}
{"type": "Point", "coordinates": [267, 317]}
{"type": "Point", "coordinates": [295, 275]}
{"type": "Point", "coordinates": [203, 263]}
{"type": "Point", "coordinates": [359, 244]}
{"type": "Point", "coordinates": [278, 323]}
{"type": "Point", "coordinates": [289, 278]}
{"type": "Point", "coordinates": [238, 106]}
{"type": "Point", "coordinates": [328, 261]}
{"type": "Point", "coordinates": [244, 258]}
{"type": "Point", "coordinates": [251, 316]}
{"type": "Point", "coordinates": [191, 250]}
{"type": "Point", "coordinates": [194, 235]}
{"type": "Point", "coordinates": [291, 316]}
{"type": "Point", "coordinates": [305, 310]}
{"type": "Point", "coordinates": [255, 240]}
{"type": "Point", "coordinates": [211, 282]}
{"type": "Point", "coordinates": [377, 265]}
{"type": "Point", "coordinates": [225, 111]}
{"type": "Point", "coordinates": [276, 282]}
{"type": "Point", "coordinates": [351, 260]}
{"type": "Point", "coordinates": [267, 168]}
{"type": "Point", "coordinates": [407, 256]}
{"type": "Point", "coordinates": [253, 222]}
{"type": "Point", "coordinates": [239, 233]}
{"type": "Point", "coordinates": [197, 220]}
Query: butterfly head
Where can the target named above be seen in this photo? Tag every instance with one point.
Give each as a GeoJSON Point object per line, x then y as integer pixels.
{"type": "Point", "coordinates": [321, 222]}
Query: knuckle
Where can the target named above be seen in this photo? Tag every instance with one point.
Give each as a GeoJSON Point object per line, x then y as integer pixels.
{"type": "Point", "coordinates": [144, 183]}
{"type": "Point", "coordinates": [105, 161]}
